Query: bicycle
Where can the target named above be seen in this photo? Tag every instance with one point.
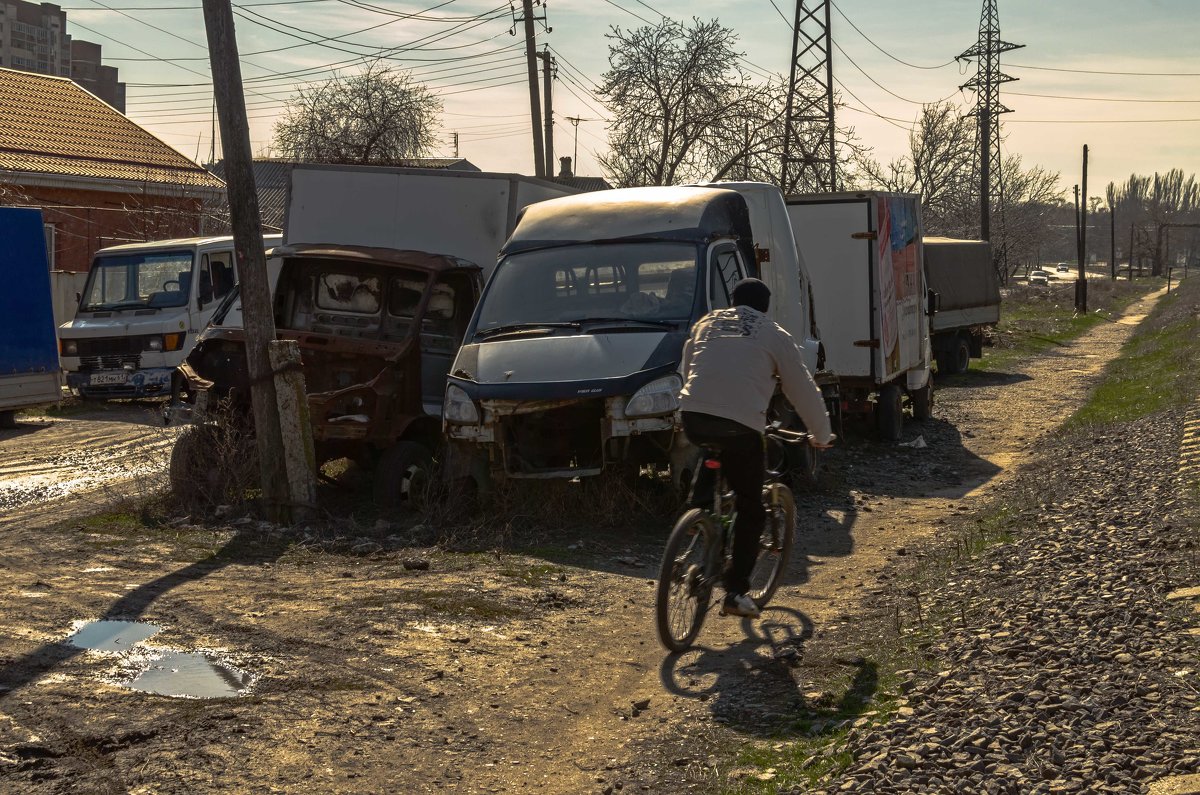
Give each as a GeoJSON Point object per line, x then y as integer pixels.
{"type": "Point", "coordinates": [700, 544]}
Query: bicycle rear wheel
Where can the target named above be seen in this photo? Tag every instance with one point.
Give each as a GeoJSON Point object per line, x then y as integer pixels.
{"type": "Point", "coordinates": [775, 544]}
{"type": "Point", "coordinates": [684, 584]}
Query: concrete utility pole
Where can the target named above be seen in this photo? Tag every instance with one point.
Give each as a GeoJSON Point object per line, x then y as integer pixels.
{"type": "Point", "coordinates": [535, 104]}
{"type": "Point", "coordinates": [257, 315]}
{"type": "Point", "coordinates": [1112, 241]}
{"type": "Point", "coordinates": [1081, 206]}
{"type": "Point", "coordinates": [547, 76]}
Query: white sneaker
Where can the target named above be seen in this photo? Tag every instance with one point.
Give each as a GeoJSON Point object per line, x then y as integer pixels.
{"type": "Point", "coordinates": [738, 604]}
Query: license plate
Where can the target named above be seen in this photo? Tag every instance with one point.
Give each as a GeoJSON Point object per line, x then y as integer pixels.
{"type": "Point", "coordinates": [109, 378]}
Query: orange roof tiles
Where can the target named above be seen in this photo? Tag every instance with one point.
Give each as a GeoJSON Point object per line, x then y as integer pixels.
{"type": "Point", "coordinates": [49, 125]}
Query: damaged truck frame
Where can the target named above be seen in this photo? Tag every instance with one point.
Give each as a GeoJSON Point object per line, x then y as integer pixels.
{"type": "Point", "coordinates": [570, 365]}
{"type": "Point", "coordinates": [377, 330]}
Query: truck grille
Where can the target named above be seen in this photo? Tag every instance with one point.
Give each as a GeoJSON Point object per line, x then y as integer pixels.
{"type": "Point", "coordinates": [112, 346]}
{"type": "Point", "coordinates": [560, 439]}
{"type": "Point", "coordinates": [111, 362]}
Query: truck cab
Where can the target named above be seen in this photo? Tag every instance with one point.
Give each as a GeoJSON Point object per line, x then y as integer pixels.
{"type": "Point", "coordinates": [571, 362]}
{"type": "Point", "coordinates": [140, 312]}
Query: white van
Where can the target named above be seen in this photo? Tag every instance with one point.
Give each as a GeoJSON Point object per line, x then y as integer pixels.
{"type": "Point", "coordinates": [140, 312]}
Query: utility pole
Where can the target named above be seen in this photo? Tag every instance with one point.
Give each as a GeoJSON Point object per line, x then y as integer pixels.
{"type": "Point", "coordinates": [257, 316]}
{"type": "Point", "coordinates": [1112, 241]}
{"type": "Point", "coordinates": [456, 155]}
{"type": "Point", "coordinates": [1131, 252]}
{"type": "Point", "coordinates": [535, 104]}
{"type": "Point", "coordinates": [988, 108]}
{"type": "Point", "coordinates": [1081, 285]}
{"type": "Point", "coordinates": [809, 135]}
{"type": "Point", "coordinates": [547, 76]}
{"type": "Point", "coordinates": [575, 123]}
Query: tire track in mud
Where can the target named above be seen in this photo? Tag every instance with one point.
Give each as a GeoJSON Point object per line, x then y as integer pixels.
{"type": "Point", "coordinates": [54, 467]}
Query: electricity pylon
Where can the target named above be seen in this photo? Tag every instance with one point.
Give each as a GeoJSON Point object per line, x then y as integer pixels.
{"type": "Point", "coordinates": [808, 143]}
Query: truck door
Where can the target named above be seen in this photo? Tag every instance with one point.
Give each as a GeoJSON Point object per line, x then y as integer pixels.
{"type": "Point", "coordinates": [215, 279]}
{"type": "Point", "coordinates": [725, 269]}
{"type": "Point", "coordinates": [451, 300]}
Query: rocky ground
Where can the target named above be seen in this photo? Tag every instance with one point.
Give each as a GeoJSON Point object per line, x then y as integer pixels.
{"type": "Point", "coordinates": [1057, 661]}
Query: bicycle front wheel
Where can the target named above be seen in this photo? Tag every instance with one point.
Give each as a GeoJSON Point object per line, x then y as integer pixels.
{"type": "Point", "coordinates": [684, 584]}
{"type": "Point", "coordinates": [775, 543]}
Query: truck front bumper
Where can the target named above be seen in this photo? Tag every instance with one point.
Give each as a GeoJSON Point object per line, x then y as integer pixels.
{"type": "Point", "coordinates": [563, 438]}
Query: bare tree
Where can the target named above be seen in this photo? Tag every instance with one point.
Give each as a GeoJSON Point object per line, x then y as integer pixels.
{"type": "Point", "coordinates": [379, 116]}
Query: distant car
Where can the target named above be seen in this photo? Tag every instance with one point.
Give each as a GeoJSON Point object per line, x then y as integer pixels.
{"type": "Point", "coordinates": [1063, 268]}
{"type": "Point", "coordinates": [1039, 277]}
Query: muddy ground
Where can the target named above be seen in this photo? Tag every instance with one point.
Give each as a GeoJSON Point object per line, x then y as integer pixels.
{"type": "Point", "coordinates": [387, 666]}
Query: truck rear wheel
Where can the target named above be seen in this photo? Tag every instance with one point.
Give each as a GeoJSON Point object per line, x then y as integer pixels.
{"type": "Point", "coordinates": [402, 476]}
{"type": "Point", "coordinates": [8, 419]}
{"type": "Point", "coordinates": [889, 413]}
{"type": "Point", "coordinates": [957, 359]}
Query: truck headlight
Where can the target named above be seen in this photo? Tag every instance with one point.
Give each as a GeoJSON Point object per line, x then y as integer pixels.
{"type": "Point", "coordinates": [70, 348]}
{"type": "Point", "coordinates": [459, 408]}
{"type": "Point", "coordinates": [154, 344]}
{"type": "Point", "coordinates": [660, 396]}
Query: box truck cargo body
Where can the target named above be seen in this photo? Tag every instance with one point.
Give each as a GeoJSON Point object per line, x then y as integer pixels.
{"type": "Point", "coordinates": [29, 371]}
{"type": "Point", "coordinates": [864, 253]}
{"type": "Point", "coordinates": [961, 274]}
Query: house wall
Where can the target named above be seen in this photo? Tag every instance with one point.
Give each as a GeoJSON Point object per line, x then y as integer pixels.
{"type": "Point", "coordinates": [87, 220]}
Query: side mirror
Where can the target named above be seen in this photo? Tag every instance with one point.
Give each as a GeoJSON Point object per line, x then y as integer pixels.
{"type": "Point", "coordinates": [78, 298]}
{"type": "Point", "coordinates": [933, 302]}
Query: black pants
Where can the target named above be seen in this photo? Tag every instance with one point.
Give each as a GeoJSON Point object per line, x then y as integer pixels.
{"type": "Point", "coordinates": [741, 453]}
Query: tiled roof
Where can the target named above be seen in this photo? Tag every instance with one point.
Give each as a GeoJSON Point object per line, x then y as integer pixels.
{"type": "Point", "coordinates": [49, 125]}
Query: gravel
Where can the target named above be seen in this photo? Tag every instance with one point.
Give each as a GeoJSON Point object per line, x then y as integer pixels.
{"type": "Point", "coordinates": [1058, 665]}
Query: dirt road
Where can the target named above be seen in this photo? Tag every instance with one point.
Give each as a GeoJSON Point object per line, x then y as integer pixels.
{"type": "Point", "coordinates": [480, 673]}
{"type": "Point", "coordinates": [49, 462]}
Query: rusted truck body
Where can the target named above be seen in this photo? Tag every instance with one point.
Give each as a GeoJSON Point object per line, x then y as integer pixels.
{"type": "Point", "coordinates": [377, 330]}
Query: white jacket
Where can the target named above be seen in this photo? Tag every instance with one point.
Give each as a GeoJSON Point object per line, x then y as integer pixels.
{"type": "Point", "coordinates": [730, 366]}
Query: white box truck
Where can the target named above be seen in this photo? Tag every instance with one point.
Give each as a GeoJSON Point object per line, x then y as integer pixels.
{"type": "Point", "coordinates": [141, 310]}
{"type": "Point", "coordinates": [864, 252]}
{"type": "Point", "coordinates": [464, 214]}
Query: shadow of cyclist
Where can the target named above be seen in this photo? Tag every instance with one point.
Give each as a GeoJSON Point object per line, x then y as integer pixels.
{"type": "Point", "coordinates": [756, 685]}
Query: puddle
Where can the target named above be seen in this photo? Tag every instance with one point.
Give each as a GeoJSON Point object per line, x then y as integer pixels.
{"type": "Point", "coordinates": [111, 635]}
{"type": "Point", "coordinates": [191, 675]}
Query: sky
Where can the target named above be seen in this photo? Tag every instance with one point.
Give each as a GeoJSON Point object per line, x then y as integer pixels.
{"type": "Point", "coordinates": [1120, 76]}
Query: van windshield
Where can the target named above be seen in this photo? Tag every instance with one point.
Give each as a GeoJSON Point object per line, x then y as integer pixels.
{"type": "Point", "coordinates": [142, 280]}
{"type": "Point", "coordinates": [647, 281]}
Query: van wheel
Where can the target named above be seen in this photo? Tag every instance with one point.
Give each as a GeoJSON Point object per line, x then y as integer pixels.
{"type": "Point", "coordinates": [889, 413]}
{"type": "Point", "coordinates": [402, 477]}
{"type": "Point", "coordinates": [922, 401]}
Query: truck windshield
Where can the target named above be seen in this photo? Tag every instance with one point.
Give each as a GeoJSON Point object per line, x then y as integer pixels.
{"type": "Point", "coordinates": [150, 279]}
{"type": "Point", "coordinates": [650, 282]}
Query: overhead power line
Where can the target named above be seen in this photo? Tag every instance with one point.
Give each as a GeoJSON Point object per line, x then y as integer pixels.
{"type": "Point", "coordinates": [882, 50]}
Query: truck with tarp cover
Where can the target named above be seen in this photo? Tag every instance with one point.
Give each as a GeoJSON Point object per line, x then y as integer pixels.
{"type": "Point", "coordinates": [961, 274]}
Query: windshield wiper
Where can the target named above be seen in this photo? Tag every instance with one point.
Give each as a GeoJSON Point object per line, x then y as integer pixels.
{"type": "Point", "coordinates": [512, 327]}
{"type": "Point", "coordinates": [642, 321]}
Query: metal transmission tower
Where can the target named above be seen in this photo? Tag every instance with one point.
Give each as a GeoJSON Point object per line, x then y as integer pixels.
{"type": "Point", "coordinates": [986, 85]}
{"type": "Point", "coordinates": [808, 142]}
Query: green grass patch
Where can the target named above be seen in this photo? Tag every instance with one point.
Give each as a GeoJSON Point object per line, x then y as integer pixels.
{"type": "Point", "coordinates": [462, 603]}
{"type": "Point", "coordinates": [533, 575]}
{"type": "Point", "coordinates": [1156, 369]}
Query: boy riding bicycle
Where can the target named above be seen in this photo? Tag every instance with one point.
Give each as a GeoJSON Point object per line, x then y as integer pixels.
{"type": "Point", "coordinates": [731, 366]}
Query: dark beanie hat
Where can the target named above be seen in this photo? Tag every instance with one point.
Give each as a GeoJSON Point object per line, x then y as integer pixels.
{"type": "Point", "coordinates": [752, 293]}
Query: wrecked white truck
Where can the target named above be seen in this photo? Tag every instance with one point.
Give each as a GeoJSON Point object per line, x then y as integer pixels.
{"type": "Point", "coordinates": [570, 365]}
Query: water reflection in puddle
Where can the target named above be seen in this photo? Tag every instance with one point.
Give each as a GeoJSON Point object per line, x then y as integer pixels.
{"type": "Point", "coordinates": [190, 675]}
{"type": "Point", "coordinates": [111, 635]}
{"type": "Point", "coordinates": [163, 672]}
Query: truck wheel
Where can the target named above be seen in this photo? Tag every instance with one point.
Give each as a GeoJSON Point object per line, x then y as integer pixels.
{"type": "Point", "coordinates": [957, 359]}
{"type": "Point", "coordinates": [922, 401]}
{"type": "Point", "coordinates": [889, 413]}
{"type": "Point", "coordinates": [8, 419]}
{"type": "Point", "coordinates": [402, 476]}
